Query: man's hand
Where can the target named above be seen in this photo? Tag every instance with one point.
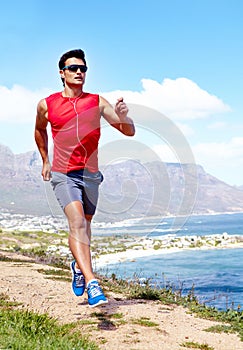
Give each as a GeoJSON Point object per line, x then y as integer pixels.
{"type": "Point", "coordinates": [121, 109]}
{"type": "Point", "coordinates": [46, 172]}
{"type": "Point", "coordinates": [117, 116]}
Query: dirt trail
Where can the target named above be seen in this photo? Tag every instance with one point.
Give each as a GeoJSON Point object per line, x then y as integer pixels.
{"type": "Point", "coordinates": [113, 326]}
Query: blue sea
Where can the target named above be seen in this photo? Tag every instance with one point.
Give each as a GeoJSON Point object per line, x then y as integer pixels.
{"type": "Point", "coordinates": [216, 276]}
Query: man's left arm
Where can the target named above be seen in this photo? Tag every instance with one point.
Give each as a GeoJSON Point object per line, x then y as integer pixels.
{"type": "Point", "coordinates": [117, 117]}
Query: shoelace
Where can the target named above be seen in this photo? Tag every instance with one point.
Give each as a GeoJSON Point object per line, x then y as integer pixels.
{"type": "Point", "coordinates": [79, 280]}
{"type": "Point", "coordinates": [94, 291]}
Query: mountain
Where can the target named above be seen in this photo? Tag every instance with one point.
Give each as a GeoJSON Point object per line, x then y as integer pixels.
{"type": "Point", "coordinates": [21, 188]}
{"type": "Point", "coordinates": [131, 189]}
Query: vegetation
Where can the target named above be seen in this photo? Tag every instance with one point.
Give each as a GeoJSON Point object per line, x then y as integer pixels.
{"type": "Point", "coordinates": [193, 345]}
{"type": "Point", "coordinates": [145, 321]}
{"type": "Point", "coordinates": [54, 274]}
{"type": "Point", "coordinates": [25, 330]}
{"type": "Point", "coordinates": [232, 319]}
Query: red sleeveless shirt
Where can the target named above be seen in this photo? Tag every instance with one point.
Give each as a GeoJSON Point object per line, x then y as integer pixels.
{"type": "Point", "coordinates": [75, 126]}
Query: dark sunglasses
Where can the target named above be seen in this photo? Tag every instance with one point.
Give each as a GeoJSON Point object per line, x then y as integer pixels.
{"type": "Point", "coordinates": [74, 68]}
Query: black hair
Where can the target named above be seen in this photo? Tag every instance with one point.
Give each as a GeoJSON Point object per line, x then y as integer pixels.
{"type": "Point", "coordinates": [73, 53]}
{"type": "Point", "coordinates": [69, 54]}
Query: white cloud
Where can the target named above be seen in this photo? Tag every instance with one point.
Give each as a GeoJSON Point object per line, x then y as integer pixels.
{"type": "Point", "coordinates": [217, 125]}
{"type": "Point", "coordinates": [180, 99]}
{"type": "Point", "coordinates": [166, 153]}
{"type": "Point", "coordinates": [222, 159]}
{"type": "Point", "coordinates": [221, 151]}
{"type": "Point", "coordinates": [185, 129]}
{"type": "Point", "coordinates": [18, 104]}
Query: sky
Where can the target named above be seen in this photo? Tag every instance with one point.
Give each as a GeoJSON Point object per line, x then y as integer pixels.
{"type": "Point", "coordinates": [176, 61]}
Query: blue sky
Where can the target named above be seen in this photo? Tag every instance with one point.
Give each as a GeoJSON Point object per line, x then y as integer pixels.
{"type": "Point", "coordinates": [181, 58]}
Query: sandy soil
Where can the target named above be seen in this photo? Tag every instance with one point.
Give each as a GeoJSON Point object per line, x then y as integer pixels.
{"type": "Point", "coordinates": [23, 283]}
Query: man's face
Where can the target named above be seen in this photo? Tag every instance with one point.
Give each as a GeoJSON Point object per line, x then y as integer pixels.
{"type": "Point", "coordinates": [73, 78]}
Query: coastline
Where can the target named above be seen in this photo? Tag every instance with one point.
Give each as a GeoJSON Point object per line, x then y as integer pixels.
{"type": "Point", "coordinates": [130, 221]}
{"type": "Point", "coordinates": [169, 244]}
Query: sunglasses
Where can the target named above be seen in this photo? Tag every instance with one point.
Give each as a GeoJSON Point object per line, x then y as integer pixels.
{"type": "Point", "coordinates": [74, 68]}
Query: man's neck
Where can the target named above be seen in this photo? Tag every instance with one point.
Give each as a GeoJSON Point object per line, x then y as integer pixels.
{"type": "Point", "coordinates": [72, 92]}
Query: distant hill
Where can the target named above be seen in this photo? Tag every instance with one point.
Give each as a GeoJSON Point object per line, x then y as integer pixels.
{"type": "Point", "coordinates": [131, 189]}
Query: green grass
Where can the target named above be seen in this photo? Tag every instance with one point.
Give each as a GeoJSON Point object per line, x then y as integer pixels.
{"type": "Point", "coordinates": [145, 321]}
{"type": "Point", "coordinates": [26, 330]}
{"type": "Point", "coordinates": [117, 315]}
{"type": "Point", "coordinates": [54, 272]}
{"type": "Point", "coordinates": [56, 275]}
{"type": "Point", "coordinates": [220, 328]}
{"type": "Point", "coordinates": [134, 289]}
{"type": "Point", "coordinates": [5, 303]}
{"type": "Point", "coordinates": [193, 345]}
{"type": "Point", "coordinates": [232, 320]}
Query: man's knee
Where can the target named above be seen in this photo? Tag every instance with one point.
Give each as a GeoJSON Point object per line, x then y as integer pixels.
{"type": "Point", "coordinates": [77, 222]}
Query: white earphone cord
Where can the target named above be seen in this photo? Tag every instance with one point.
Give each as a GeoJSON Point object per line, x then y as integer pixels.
{"type": "Point", "coordinates": [77, 125]}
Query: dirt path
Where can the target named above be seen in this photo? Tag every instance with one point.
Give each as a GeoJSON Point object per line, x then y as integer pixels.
{"type": "Point", "coordinates": [112, 326]}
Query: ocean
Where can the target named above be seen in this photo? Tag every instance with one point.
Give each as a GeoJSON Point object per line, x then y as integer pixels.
{"type": "Point", "coordinates": [216, 276]}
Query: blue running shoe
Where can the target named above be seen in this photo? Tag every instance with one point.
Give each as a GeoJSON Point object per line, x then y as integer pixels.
{"type": "Point", "coordinates": [95, 294]}
{"type": "Point", "coordinates": [78, 282]}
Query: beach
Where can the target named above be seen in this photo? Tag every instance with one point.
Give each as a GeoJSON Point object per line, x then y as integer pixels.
{"type": "Point", "coordinates": [145, 247]}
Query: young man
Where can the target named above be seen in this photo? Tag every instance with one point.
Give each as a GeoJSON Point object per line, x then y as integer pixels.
{"type": "Point", "coordinates": [74, 116]}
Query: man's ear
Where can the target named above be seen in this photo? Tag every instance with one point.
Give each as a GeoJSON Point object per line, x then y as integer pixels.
{"type": "Point", "coordinates": [61, 72]}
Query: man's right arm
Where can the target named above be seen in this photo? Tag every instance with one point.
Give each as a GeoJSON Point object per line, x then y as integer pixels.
{"type": "Point", "coordinates": [41, 138]}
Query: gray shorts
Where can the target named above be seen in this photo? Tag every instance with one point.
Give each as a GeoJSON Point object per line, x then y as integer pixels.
{"type": "Point", "coordinates": [80, 185]}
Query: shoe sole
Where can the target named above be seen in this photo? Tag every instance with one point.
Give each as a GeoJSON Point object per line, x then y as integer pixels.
{"type": "Point", "coordinates": [101, 302]}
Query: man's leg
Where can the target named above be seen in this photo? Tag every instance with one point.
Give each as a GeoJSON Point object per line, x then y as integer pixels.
{"type": "Point", "coordinates": [79, 238]}
{"type": "Point", "coordinates": [79, 243]}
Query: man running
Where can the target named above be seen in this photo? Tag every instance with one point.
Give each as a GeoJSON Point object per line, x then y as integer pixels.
{"type": "Point", "coordinates": [74, 116]}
